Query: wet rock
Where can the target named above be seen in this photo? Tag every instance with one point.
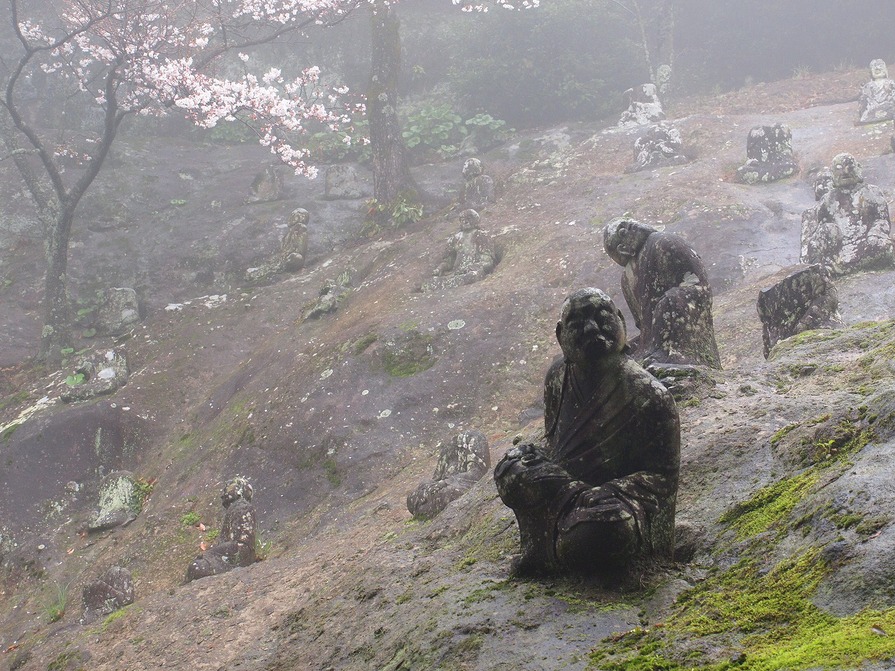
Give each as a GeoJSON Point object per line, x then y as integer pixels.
{"type": "Point", "coordinates": [331, 296]}
{"type": "Point", "coordinates": [659, 146]}
{"type": "Point", "coordinates": [769, 155]}
{"type": "Point", "coordinates": [266, 187]}
{"type": "Point", "coordinates": [119, 502]}
{"type": "Point", "coordinates": [805, 300]}
{"type": "Point", "coordinates": [118, 313]}
{"type": "Point", "coordinates": [97, 374]}
{"type": "Point", "coordinates": [343, 183]}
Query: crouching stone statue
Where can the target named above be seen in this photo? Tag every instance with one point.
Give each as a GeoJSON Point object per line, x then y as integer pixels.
{"type": "Point", "coordinates": [235, 544]}
{"type": "Point", "coordinates": [599, 494]}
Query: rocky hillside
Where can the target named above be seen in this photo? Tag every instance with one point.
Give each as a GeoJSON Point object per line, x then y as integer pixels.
{"type": "Point", "coordinates": [784, 513]}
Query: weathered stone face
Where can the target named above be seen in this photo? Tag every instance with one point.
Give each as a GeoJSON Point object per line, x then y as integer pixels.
{"type": "Point", "coordinates": [235, 544]}
{"type": "Point", "coordinates": [659, 146]}
{"type": "Point", "coordinates": [599, 494]}
{"type": "Point", "coordinates": [643, 107]}
{"type": "Point", "coordinates": [461, 463]}
{"type": "Point", "coordinates": [849, 229]}
{"type": "Point", "coordinates": [877, 100]}
{"type": "Point", "coordinates": [769, 154]}
{"type": "Point", "coordinates": [667, 289]}
{"type": "Point", "coordinates": [805, 300]}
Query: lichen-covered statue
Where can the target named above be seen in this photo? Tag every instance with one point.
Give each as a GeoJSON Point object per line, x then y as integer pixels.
{"type": "Point", "coordinates": [667, 289]}
{"type": "Point", "coordinates": [877, 99]}
{"type": "Point", "coordinates": [599, 494]}
{"type": "Point", "coordinates": [849, 229]}
{"type": "Point", "coordinates": [643, 107]}
{"type": "Point", "coordinates": [469, 258]}
{"type": "Point", "coordinates": [478, 188]}
{"type": "Point", "coordinates": [235, 545]}
{"type": "Point", "coordinates": [659, 146]}
{"type": "Point", "coordinates": [769, 155]}
{"type": "Point", "coordinates": [461, 463]}
{"type": "Point", "coordinates": [802, 301]}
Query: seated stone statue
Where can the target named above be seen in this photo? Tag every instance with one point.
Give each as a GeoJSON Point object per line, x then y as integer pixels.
{"type": "Point", "coordinates": [769, 155]}
{"type": "Point", "coordinates": [461, 463]}
{"type": "Point", "coordinates": [659, 146]}
{"type": "Point", "coordinates": [235, 544]}
{"type": "Point", "coordinates": [643, 107]}
{"type": "Point", "coordinates": [599, 495]}
{"type": "Point", "coordinates": [478, 188]}
{"type": "Point", "coordinates": [293, 250]}
{"type": "Point", "coordinates": [877, 99]}
{"type": "Point", "coordinates": [668, 292]}
{"type": "Point", "coordinates": [849, 229]}
{"type": "Point", "coordinates": [802, 301]}
{"type": "Point", "coordinates": [469, 258]}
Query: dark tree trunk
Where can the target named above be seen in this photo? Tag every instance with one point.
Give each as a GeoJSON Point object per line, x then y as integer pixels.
{"type": "Point", "coordinates": [391, 177]}
{"type": "Point", "coordinates": [56, 333]}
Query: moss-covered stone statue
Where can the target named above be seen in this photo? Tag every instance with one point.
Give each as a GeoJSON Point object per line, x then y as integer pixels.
{"type": "Point", "coordinates": [599, 494]}
{"type": "Point", "coordinates": [235, 544]}
{"type": "Point", "coordinates": [667, 289]}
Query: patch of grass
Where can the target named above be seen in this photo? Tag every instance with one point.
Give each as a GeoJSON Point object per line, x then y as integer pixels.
{"type": "Point", "coordinates": [190, 519]}
{"type": "Point", "coordinates": [332, 472]}
{"type": "Point", "coordinates": [14, 399]}
{"type": "Point", "coordinates": [361, 345]}
{"type": "Point", "coordinates": [142, 492]}
{"type": "Point", "coordinates": [55, 609]}
{"type": "Point", "coordinates": [262, 547]}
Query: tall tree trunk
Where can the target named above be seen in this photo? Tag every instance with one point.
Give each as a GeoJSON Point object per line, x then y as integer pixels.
{"type": "Point", "coordinates": [391, 176]}
{"type": "Point", "coordinates": [56, 333]}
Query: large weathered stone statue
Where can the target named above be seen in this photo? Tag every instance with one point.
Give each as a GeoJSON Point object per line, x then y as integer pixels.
{"type": "Point", "coordinates": [667, 289]}
{"type": "Point", "coordinates": [599, 494]}
{"type": "Point", "coordinates": [659, 146]}
{"type": "Point", "coordinates": [643, 107]}
{"type": "Point", "coordinates": [804, 300]}
{"type": "Point", "coordinates": [849, 229]}
{"type": "Point", "coordinates": [293, 251]}
{"type": "Point", "coordinates": [769, 155]}
{"type": "Point", "coordinates": [877, 99]}
{"type": "Point", "coordinates": [235, 545]}
{"type": "Point", "coordinates": [461, 463]}
{"type": "Point", "coordinates": [470, 255]}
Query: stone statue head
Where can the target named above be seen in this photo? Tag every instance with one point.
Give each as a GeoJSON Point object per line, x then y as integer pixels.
{"type": "Point", "coordinates": [299, 217]}
{"type": "Point", "coordinates": [623, 238]}
{"type": "Point", "coordinates": [472, 167]}
{"type": "Point", "coordinates": [469, 220]}
{"type": "Point", "coordinates": [590, 327]}
{"type": "Point", "coordinates": [237, 488]}
{"type": "Point", "coordinates": [878, 69]}
{"type": "Point", "coordinates": [847, 173]}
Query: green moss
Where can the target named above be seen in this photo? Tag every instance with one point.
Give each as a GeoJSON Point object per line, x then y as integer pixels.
{"type": "Point", "coordinates": [14, 399]}
{"type": "Point", "coordinates": [363, 343]}
{"type": "Point", "coordinates": [770, 506]}
{"type": "Point", "coordinates": [190, 519]}
{"type": "Point", "coordinates": [331, 469]}
{"type": "Point", "coordinates": [781, 433]}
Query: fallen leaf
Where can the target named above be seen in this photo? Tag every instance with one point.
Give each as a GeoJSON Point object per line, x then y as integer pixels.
{"type": "Point", "coordinates": [203, 546]}
{"type": "Point", "coordinates": [201, 526]}
{"type": "Point", "coordinates": [70, 551]}
{"type": "Point", "coordinates": [879, 631]}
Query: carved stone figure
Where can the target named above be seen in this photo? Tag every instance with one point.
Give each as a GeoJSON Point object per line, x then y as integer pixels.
{"type": "Point", "coordinates": [769, 155]}
{"type": "Point", "coordinates": [478, 188]}
{"type": "Point", "coordinates": [294, 246]}
{"type": "Point", "coordinates": [659, 146]}
{"type": "Point", "coordinates": [877, 99]}
{"type": "Point", "coordinates": [332, 293]}
{"type": "Point", "coordinates": [643, 107]}
{"type": "Point", "coordinates": [805, 300]}
{"type": "Point", "coordinates": [470, 255]}
{"type": "Point", "coordinates": [849, 229]}
{"type": "Point", "coordinates": [235, 544]}
{"type": "Point", "coordinates": [461, 463]}
{"type": "Point", "coordinates": [114, 589]}
{"type": "Point", "coordinates": [266, 187]}
{"type": "Point", "coordinates": [599, 494]}
{"type": "Point", "coordinates": [667, 289]}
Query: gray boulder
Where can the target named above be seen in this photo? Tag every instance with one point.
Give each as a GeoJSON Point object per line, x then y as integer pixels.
{"type": "Point", "coordinates": [769, 155]}
{"type": "Point", "coordinates": [118, 313]}
{"type": "Point", "coordinates": [343, 183]}
{"type": "Point", "coordinates": [114, 589]}
{"type": "Point", "coordinates": [119, 502]}
{"type": "Point", "coordinates": [644, 107]}
{"type": "Point", "coordinates": [97, 374]}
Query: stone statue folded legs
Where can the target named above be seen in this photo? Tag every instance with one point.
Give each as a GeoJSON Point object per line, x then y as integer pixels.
{"type": "Point", "coordinates": [599, 495]}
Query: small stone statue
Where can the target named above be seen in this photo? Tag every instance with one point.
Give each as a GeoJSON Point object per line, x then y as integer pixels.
{"type": "Point", "coordinates": [235, 545]}
{"type": "Point", "coordinates": [877, 99]}
{"type": "Point", "coordinates": [478, 188]}
{"type": "Point", "coordinates": [294, 247]}
{"type": "Point", "coordinates": [599, 494]}
{"type": "Point", "coordinates": [769, 155]}
{"type": "Point", "coordinates": [804, 300]}
{"type": "Point", "coordinates": [470, 255]}
{"type": "Point", "coordinates": [849, 229]}
{"type": "Point", "coordinates": [332, 294]}
{"type": "Point", "coordinates": [461, 463]}
{"type": "Point", "coordinates": [114, 589]}
{"type": "Point", "coordinates": [643, 107]}
{"type": "Point", "coordinates": [659, 146]}
{"type": "Point", "coordinates": [667, 289]}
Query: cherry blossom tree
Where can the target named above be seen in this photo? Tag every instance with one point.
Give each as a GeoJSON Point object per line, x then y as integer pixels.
{"type": "Point", "coordinates": [125, 57]}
